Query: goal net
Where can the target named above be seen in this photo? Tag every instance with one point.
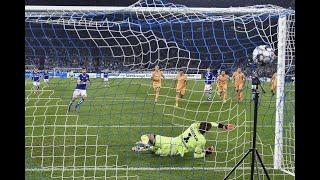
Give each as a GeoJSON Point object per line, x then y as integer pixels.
{"type": "Point", "coordinates": [95, 142]}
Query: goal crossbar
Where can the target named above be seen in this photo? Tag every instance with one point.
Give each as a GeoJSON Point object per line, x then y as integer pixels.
{"type": "Point", "coordinates": [230, 10]}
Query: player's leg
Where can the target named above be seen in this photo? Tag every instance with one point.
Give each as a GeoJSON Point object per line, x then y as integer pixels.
{"type": "Point", "coordinates": [210, 94]}
{"type": "Point", "coordinates": [180, 95]}
{"type": "Point", "coordinates": [71, 102]}
{"type": "Point", "coordinates": [208, 91]}
{"type": "Point", "coordinates": [75, 95]}
{"type": "Point", "coordinates": [46, 81]}
{"type": "Point", "coordinates": [225, 93]}
{"type": "Point", "coordinates": [237, 91]}
{"type": "Point", "coordinates": [83, 96]}
{"type": "Point", "coordinates": [273, 89]}
{"type": "Point", "coordinates": [182, 92]}
{"type": "Point", "coordinates": [36, 87]}
{"type": "Point", "coordinates": [241, 92]}
{"type": "Point", "coordinates": [157, 91]}
{"type": "Point", "coordinates": [205, 90]}
{"type": "Point", "coordinates": [220, 91]}
{"type": "Point", "coordinates": [177, 98]}
{"type": "Point", "coordinates": [106, 82]}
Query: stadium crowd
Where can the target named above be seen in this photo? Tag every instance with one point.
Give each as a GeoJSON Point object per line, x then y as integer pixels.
{"type": "Point", "coordinates": [63, 58]}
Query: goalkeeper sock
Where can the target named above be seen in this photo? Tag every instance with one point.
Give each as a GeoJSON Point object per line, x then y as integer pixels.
{"type": "Point", "coordinates": [210, 95]}
{"type": "Point", "coordinates": [80, 102]}
{"type": "Point", "coordinates": [71, 102]}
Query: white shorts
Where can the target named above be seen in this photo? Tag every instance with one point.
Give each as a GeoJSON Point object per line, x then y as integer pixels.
{"type": "Point", "coordinates": [46, 80]}
{"type": "Point", "coordinates": [105, 79]}
{"type": "Point", "coordinates": [254, 86]}
{"type": "Point", "coordinates": [207, 87]}
{"type": "Point", "coordinates": [79, 92]}
{"type": "Point", "coordinates": [35, 83]}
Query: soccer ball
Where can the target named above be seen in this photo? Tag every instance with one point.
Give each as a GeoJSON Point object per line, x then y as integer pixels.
{"type": "Point", "coordinates": [263, 55]}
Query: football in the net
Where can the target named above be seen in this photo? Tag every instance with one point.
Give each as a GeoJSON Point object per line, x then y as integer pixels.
{"type": "Point", "coordinates": [263, 55]}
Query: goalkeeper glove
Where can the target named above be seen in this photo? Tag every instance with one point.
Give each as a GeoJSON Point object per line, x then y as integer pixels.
{"type": "Point", "coordinates": [227, 127]}
{"type": "Point", "coordinates": [209, 150]}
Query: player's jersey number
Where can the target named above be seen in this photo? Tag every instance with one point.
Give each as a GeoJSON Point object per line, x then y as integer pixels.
{"type": "Point", "coordinates": [186, 139]}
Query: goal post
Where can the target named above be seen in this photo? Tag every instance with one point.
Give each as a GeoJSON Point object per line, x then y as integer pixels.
{"type": "Point", "coordinates": [282, 67]}
{"type": "Point", "coordinates": [280, 92]}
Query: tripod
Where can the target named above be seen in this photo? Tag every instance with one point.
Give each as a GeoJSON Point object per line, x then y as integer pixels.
{"type": "Point", "coordinates": [253, 149]}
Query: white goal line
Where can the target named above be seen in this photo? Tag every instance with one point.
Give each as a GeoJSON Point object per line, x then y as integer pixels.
{"type": "Point", "coordinates": [142, 126]}
{"type": "Point", "coordinates": [135, 169]}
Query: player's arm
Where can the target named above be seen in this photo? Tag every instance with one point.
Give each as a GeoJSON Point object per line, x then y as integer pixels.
{"type": "Point", "coordinates": [88, 81]}
{"type": "Point", "coordinates": [243, 79]}
{"type": "Point", "coordinates": [199, 151]}
{"type": "Point", "coordinates": [218, 80]}
{"type": "Point", "coordinates": [273, 77]}
{"type": "Point", "coordinates": [226, 127]}
{"type": "Point", "coordinates": [78, 80]}
{"type": "Point", "coordinates": [152, 74]}
{"type": "Point", "coordinates": [162, 75]}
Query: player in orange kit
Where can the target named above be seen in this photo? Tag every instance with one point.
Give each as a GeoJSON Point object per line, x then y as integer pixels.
{"type": "Point", "coordinates": [239, 80]}
{"type": "Point", "coordinates": [274, 83]}
{"type": "Point", "coordinates": [156, 81]}
{"type": "Point", "coordinates": [181, 84]}
{"type": "Point", "coordinates": [222, 82]}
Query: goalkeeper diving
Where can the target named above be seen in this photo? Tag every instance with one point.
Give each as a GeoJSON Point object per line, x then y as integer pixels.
{"type": "Point", "coordinates": [191, 140]}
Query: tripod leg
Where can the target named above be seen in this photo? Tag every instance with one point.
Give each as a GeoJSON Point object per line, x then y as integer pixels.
{"type": "Point", "coordinates": [264, 168]}
{"type": "Point", "coordinates": [238, 164]}
{"type": "Point", "coordinates": [253, 159]}
{"type": "Point", "coordinates": [257, 168]}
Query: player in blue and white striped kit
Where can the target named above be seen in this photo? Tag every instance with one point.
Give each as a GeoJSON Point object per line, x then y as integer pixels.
{"type": "Point", "coordinates": [106, 78]}
{"type": "Point", "coordinates": [80, 91]}
{"type": "Point", "coordinates": [36, 80]}
{"type": "Point", "coordinates": [46, 78]}
{"type": "Point", "coordinates": [209, 79]}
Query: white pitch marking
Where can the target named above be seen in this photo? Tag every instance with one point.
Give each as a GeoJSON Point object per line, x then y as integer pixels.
{"type": "Point", "coordinates": [136, 169]}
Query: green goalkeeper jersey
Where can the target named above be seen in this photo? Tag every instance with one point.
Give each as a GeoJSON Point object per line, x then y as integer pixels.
{"type": "Point", "coordinates": [191, 140]}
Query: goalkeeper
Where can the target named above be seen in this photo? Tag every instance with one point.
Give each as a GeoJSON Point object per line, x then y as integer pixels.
{"type": "Point", "coordinates": [191, 140]}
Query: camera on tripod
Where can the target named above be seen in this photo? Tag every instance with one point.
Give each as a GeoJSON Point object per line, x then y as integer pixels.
{"type": "Point", "coordinates": [255, 83]}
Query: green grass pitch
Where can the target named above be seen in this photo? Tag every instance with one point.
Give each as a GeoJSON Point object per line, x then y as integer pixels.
{"type": "Point", "coordinates": [95, 142]}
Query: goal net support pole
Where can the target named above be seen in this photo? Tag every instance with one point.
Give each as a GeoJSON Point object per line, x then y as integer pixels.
{"type": "Point", "coordinates": [282, 32]}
